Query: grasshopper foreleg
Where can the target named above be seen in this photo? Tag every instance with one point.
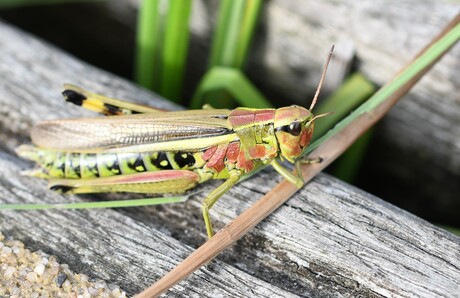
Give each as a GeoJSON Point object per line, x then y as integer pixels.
{"type": "Point", "coordinates": [298, 170]}
{"type": "Point", "coordinates": [294, 179]}
{"type": "Point", "coordinates": [308, 161]}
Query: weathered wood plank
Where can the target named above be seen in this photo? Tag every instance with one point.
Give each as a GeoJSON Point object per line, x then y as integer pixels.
{"type": "Point", "coordinates": [330, 239]}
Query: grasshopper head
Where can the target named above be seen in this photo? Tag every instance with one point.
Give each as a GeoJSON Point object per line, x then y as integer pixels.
{"type": "Point", "coordinates": [293, 129]}
{"type": "Point", "coordinates": [294, 125]}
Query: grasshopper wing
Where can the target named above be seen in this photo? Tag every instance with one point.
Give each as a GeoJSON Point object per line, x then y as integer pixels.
{"type": "Point", "coordinates": [179, 130]}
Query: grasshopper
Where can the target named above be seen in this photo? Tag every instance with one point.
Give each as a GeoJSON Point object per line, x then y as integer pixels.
{"type": "Point", "coordinates": [140, 149]}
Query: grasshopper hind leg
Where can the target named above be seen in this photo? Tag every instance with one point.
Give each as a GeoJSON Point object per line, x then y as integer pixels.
{"type": "Point", "coordinates": [102, 104]}
{"type": "Point", "coordinates": [168, 181]}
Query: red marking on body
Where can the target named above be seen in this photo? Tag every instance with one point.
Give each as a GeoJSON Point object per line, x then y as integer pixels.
{"type": "Point", "coordinates": [232, 152]}
{"type": "Point", "coordinates": [242, 117]}
{"type": "Point", "coordinates": [238, 156]}
{"type": "Point", "coordinates": [209, 153]}
{"type": "Point", "coordinates": [264, 115]}
{"type": "Point", "coordinates": [148, 177]}
{"type": "Point", "coordinates": [258, 151]}
{"type": "Point", "coordinates": [244, 163]}
{"type": "Point", "coordinates": [217, 162]}
{"type": "Point", "coordinates": [305, 137]}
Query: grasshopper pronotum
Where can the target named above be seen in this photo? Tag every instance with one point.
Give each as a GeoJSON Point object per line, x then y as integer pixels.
{"type": "Point", "coordinates": [141, 149]}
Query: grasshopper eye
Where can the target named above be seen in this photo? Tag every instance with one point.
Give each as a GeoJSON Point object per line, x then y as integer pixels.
{"type": "Point", "coordinates": [295, 128]}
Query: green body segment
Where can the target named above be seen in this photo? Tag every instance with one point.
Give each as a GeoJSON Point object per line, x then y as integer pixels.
{"type": "Point", "coordinates": [74, 165]}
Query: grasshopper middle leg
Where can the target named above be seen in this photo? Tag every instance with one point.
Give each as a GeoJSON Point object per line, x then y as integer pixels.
{"type": "Point", "coordinates": [215, 195]}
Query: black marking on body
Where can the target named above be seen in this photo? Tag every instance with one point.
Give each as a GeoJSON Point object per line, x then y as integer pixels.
{"type": "Point", "coordinates": [114, 167]}
{"type": "Point", "coordinates": [61, 188]}
{"type": "Point", "coordinates": [112, 110]}
{"type": "Point", "coordinates": [71, 158]}
{"type": "Point", "coordinates": [74, 97]}
{"type": "Point", "coordinates": [77, 171]}
{"type": "Point", "coordinates": [138, 165]}
{"type": "Point", "coordinates": [221, 117]}
{"type": "Point", "coordinates": [184, 159]}
{"type": "Point", "coordinates": [59, 164]}
{"type": "Point", "coordinates": [93, 168]}
{"type": "Point", "coordinates": [162, 161]}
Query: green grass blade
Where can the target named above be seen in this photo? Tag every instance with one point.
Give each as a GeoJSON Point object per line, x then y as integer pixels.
{"type": "Point", "coordinates": [228, 11]}
{"type": "Point", "coordinates": [236, 23]}
{"type": "Point", "coordinates": [148, 41]}
{"type": "Point", "coordinates": [162, 46]}
{"type": "Point", "coordinates": [228, 53]}
{"type": "Point", "coordinates": [248, 25]}
{"type": "Point", "coordinates": [232, 81]}
{"type": "Point", "coordinates": [95, 205]}
{"type": "Point", "coordinates": [174, 53]}
{"type": "Point", "coordinates": [235, 28]}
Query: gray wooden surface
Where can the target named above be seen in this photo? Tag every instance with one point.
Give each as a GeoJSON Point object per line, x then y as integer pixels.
{"type": "Point", "coordinates": [329, 240]}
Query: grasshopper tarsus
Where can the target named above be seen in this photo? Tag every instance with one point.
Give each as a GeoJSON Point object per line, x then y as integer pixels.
{"type": "Point", "coordinates": [311, 161]}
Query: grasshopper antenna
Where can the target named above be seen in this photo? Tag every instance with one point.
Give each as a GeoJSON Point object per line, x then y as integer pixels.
{"type": "Point", "coordinates": [323, 75]}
